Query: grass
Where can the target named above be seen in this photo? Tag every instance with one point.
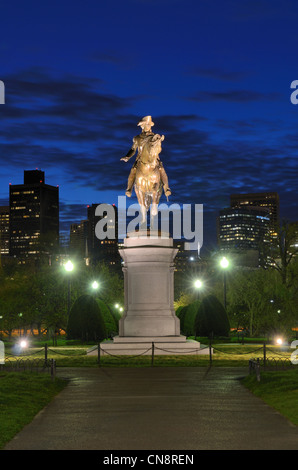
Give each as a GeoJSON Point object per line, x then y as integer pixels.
{"type": "Point", "coordinates": [22, 396]}
{"type": "Point", "coordinates": [75, 355]}
{"type": "Point", "coordinates": [279, 389]}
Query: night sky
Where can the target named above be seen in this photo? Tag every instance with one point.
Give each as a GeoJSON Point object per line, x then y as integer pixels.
{"type": "Point", "coordinates": [214, 75]}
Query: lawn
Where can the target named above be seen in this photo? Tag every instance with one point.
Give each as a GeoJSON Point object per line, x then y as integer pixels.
{"type": "Point", "coordinates": [22, 396]}
{"type": "Point", "coordinates": [278, 389]}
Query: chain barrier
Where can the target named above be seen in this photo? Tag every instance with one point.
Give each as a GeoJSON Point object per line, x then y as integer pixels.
{"type": "Point", "coordinates": [121, 357]}
{"type": "Point", "coordinates": [24, 354]}
{"type": "Point", "coordinates": [188, 351]}
{"type": "Point", "coordinates": [254, 364]}
{"type": "Point", "coordinates": [274, 352]}
{"type": "Point", "coordinates": [238, 353]}
{"type": "Point", "coordinates": [152, 349]}
{"type": "Point", "coordinates": [67, 355]}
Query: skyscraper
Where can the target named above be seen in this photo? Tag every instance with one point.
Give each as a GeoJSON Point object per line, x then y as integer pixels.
{"type": "Point", "coordinates": [107, 249]}
{"type": "Point", "coordinates": [78, 241]}
{"type": "Point", "coordinates": [268, 200]}
{"type": "Point", "coordinates": [4, 230]}
{"type": "Point", "coordinates": [243, 228]}
{"type": "Point", "coordinates": [34, 216]}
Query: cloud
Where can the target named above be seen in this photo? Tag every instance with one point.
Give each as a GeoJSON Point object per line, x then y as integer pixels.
{"type": "Point", "coordinates": [218, 74]}
{"type": "Point", "coordinates": [234, 96]}
{"type": "Point", "coordinates": [112, 57]}
{"type": "Point", "coordinates": [70, 127]}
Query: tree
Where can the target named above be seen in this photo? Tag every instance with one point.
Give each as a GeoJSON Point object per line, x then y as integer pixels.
{"type": "Point", "coordinates": [85, 320]}
{"type": "Point", "coordinates": [280, 253]}
{"type": "Point", "coordinates": [259, 300]}
{"type": "Point", "coordinates": [211, 318]}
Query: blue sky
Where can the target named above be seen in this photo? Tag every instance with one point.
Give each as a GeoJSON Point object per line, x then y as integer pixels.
{"type": "Point", "coordinates": [215, 77]}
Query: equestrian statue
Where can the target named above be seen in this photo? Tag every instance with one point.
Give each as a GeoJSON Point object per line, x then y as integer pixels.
{"type": "Point", "coordinates": [147, 176]}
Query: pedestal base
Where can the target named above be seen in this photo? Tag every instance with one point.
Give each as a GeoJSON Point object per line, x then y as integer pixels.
{"type": "Point", "coordinates": [149, 319]}
{"type": "Point", "coordinates": [148, 286]}
{"type": "Point", "coordinates": [165, 345]}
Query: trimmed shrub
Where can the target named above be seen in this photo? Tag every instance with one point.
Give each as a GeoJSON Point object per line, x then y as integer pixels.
{"type": "Point", "coordinates": [110, 323]}
{"type": "Point", "coordinates": [181, 317]}
{"type": "Point", "coordinates": [178, 311]}
{"type": "Point", "coordinates": [211, 318]}
{"type": "Point", "coordinates": [115, 314]}
{"type": "Point", "coordinates": [190, 318]}
{"type": "Point", "coordinates": [85, 320]}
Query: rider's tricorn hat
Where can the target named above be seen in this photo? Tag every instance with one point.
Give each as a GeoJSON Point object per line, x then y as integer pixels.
{"type": "Point", "coordinates": [146, 120]}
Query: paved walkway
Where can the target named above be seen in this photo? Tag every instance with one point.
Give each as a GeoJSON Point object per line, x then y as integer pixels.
{"type": "Point", "coordinates": [156, 409]}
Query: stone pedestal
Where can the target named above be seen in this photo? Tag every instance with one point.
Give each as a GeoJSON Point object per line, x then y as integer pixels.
{"type": "Point", "coordinates": [149, 299]}
{"type": "Point", "coordinates": [148, 287]}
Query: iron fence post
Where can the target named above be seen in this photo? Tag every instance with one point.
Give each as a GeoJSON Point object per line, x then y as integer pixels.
{"type": "Point", "coordinates": [152, 356]}
{"type": "Point", "coordinates": [98, 354]}
{"type": "Point", "coordinates": [258, 370]}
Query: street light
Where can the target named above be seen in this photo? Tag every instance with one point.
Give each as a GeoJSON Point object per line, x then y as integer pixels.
{"type": "Point", "coordinates": [69, 266]}
{"type": "Point", "coordinates": [198, 284]}
{"type": "Point", "coordinates": [95, 285]}
{"type": "Point", "coordinates": [224, 263]}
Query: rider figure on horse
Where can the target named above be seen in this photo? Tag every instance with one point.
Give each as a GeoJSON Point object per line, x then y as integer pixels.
{"type": "Point", "coordinates": [139, 143]}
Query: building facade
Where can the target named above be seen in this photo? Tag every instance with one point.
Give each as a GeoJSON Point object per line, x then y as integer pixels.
{"type": "Point", "coordinates": [4, 230]}
{"type": "Point", "coordinates": [243, 233]}
{"type": "Point", "coordinates": [34, 217]}
{"type": "Point", "coordinates": [266, 200]}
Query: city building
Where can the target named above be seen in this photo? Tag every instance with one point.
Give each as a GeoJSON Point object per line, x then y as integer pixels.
{"type": "Point", "coordinates": [243, 232]}
{"type": "Point", "coordinates": [78, 240]}
{"type": "Point", "coordinates": [185, 260]}
{"type": "Point", "coordinates": [85, 244]}
{"type": "Point", "coordinates": [4, 230]}
{"type": "Point", "coordinates": [34, 217]}
{"type": "Point", "coordinates": [267, 200]}
{"type": "Point", "coordinates": [106, 249]}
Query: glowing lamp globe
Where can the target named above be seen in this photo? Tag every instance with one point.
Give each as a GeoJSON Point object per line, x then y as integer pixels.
{"type": "Point", "coordinates": [224, 262]}
{"type": "Point", "coordinates": [198, 284]}
{"type": "Point", "coordinates": [68, 266]}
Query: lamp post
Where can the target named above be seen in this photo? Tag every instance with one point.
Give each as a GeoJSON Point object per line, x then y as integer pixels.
{"type": "Point", "coordinates": [224, 263]}
{"type": "Point", "coordinates": [69, 268]}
